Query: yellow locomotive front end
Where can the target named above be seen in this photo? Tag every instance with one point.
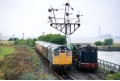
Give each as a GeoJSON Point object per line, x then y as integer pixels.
{"type": "Point", "coordinates": [62, 57]}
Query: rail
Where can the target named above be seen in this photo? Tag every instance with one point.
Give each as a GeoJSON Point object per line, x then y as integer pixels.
{"type": "Point", "coordinates": [60, 75]}
{"type": "Point", "coordinates": [105, 65]}
{"type": "Point", "coordinates": [103, 77]}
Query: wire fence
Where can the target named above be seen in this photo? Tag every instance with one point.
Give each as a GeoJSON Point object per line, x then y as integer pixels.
{"type": "Point", "coordinates": [109, 66]}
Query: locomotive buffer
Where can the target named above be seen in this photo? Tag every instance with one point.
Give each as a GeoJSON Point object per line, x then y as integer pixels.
{"type": "Point", "coordinates": [65, 25]}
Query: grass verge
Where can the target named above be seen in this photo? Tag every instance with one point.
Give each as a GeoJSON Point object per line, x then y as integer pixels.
{"type": "Point", "coordinates": [23, 64]}
{"type": "Point", "coordinates": [5, 51]}
{"type": "Point", "coordinates": [110, 75]}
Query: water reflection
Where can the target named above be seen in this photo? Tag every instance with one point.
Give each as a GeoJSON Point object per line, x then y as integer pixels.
{"type": "Point", "coordinates": [113, 56]}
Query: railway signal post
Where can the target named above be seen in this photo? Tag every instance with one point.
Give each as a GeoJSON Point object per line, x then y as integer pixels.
{"type": "Point", "coordinates": [66, 25]}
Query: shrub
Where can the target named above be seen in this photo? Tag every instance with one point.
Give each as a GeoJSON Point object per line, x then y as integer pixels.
{"type": "Point", "coordinates": [71, 46]}
{"type": "Point", "coordinates": [108, 41]}
{"type": "Point", "coordinates": [11, 39]}
{"type": "Point", "coordinates": [115, 76]}
{"type": "Point", "coordinates": [49, 77]}
{"type": "Point", "coordinates": [103, 43]}
{"type": "Point", "coordinates": [28, 76]}
{"type": "Point", "coordinates": [53, 38]}
{"type": "Point", "coordinates": [98, 43]}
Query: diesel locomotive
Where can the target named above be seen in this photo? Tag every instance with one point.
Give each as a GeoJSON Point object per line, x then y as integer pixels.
{"type": "Point", "coordinates": [85, 57]}
{"type": "Point", "coordinates": [58, 56]}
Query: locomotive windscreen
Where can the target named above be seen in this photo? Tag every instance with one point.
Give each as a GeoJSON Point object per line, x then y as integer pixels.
{"type": "Point", "coordinates": [62, 48]}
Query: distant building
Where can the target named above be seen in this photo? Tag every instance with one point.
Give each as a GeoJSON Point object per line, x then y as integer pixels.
{"type": "Point", "coordinates": [106, 36]}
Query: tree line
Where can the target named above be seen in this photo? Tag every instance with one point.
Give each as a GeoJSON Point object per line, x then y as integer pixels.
{"type": "Point", "coordinates": [53, 38]}
{"type": "Point", "coordinates": [105, 42]}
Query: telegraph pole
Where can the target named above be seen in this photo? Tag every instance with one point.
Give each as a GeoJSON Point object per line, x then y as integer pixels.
{"type": "Point", "coordinates": [0, 42]}
{"type": "Point", "coordinates": [43, 33]}
{"type": "Point", "coordinates": [68, 25]}
{"type": "Point", "coordinates": [23, 35]}
{"type": "Point", "coordinates": [13, 39]}
{"type": "Point", "coordinates": [23, 38]}
{"type": "Point", "coordinates": [99, 32]}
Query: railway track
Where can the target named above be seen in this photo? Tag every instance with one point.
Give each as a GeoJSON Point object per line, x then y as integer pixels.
{"type": "Point", "coordinates": [61, 75]}
{"type": "Point", "coordinates": [81, 75]}
{"type": "Point", "coordinates": [89, 76]}
{"type": "Point", "coordinates": [94, 76]}
{"type": "Point", "coordinates": [101, 76]}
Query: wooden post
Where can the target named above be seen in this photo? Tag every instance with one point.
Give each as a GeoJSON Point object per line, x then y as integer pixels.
{"type": "Point", "coordinates": [109, 66]}
{"type": "Point", "coordinates": [119, 69]}
{"type": "Point", "coordinates": [0, 42]}
{"type": "Point", "coordinates": [100, 62]}
{"type": "Point", "coordinates": [115, 67]}
{"type": "Point", "coordinates": [105, 65]}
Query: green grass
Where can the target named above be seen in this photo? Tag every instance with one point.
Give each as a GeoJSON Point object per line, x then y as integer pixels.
{"type": "Point", "coordinates": [114, 76]}
{"type": "Point", "coordinates": [28, 76]}
{"type": "Point", "coordinates": [110, 75]}
{"type": "Point", "coordinates": [5, 51]}
{"type": "Point", "coordinates": [115, 45]}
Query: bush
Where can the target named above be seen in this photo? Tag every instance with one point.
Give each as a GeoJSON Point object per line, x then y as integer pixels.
{"type": "Point", "coordinates": [114, 76]}
{"type": "Point", "coordinates": [28, 76]}
{"type": "Point", "coordinates": [103, 43]}
{"type": "Point", "coordinates": [28, 42]}
{"type": "Point", "coordinates": [11, 39]}
{"type": "Point", "coordinates": [108, 41]}
{"type": "Point", "coordinates": [49, 77]}
{"type": "Point", "coordinates": [53, 38]}
{"type": "Point", "coordinates": [98, 43]}
{"type": "Point", "coordinates": [71, 46]}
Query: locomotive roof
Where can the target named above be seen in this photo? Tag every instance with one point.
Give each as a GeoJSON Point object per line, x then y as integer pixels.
{"type": "Point", "coordinates": [50, 46]}
{"type": "Point", "coordinates": [40, 42]}
{"type": "Point", "coordinates": [46, 44]}
{"type": "Point", "coordinates": [53, 46]}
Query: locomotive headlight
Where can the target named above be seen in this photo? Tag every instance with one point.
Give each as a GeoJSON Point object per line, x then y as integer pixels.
{"type": "Point", "coordinates": [68, 53]}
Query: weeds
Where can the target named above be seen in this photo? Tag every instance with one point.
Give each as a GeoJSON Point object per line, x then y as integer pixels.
{"type": "Point", "coordinates": [28, 76]}
{"type": "Point", "coordinates": [111, 75]}
{"type": "Point", "coordinates": [23, 64]}
{"type": "Point", "coordinates": [114, 76]}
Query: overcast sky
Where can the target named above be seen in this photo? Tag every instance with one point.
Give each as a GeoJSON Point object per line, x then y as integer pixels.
{"type": "Point", "coordinates": [31, 17]}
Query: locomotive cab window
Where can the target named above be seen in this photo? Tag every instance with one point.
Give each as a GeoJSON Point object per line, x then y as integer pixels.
{"type": "Point", "coordinates": [62, 48]}
{"type": "Point", "coordinates": [56, 53]}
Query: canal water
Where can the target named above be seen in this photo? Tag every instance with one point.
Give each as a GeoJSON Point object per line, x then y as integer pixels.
{"type": "Point", "coordinates": [110, 56]}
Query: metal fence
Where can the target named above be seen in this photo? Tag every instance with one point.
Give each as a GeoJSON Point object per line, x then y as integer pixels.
{"type": "Point", "coordinates": [109, 66]}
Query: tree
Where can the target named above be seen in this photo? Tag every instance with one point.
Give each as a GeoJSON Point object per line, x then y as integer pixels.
{"type": "Point", "coordinates": [53, 38]}
{"type": "Point", "coordinates": [108, 41]}
{"type": "Point", "coordinates": [11, 39]}
{"type": "Point", "coordinates": [98, 43]}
